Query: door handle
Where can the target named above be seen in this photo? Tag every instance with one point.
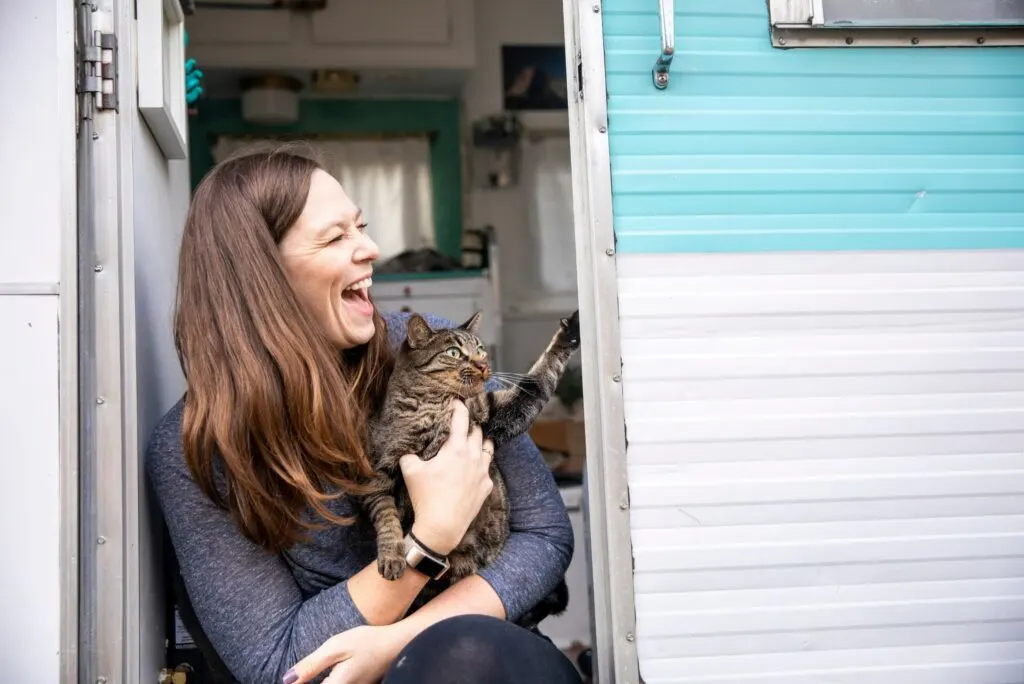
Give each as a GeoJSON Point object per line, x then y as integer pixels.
{"type": "Point", "coordinates": [667, 11]}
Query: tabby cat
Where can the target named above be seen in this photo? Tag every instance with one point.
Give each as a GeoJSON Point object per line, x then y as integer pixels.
{"type": "Point", "coordinates": [432, 369]}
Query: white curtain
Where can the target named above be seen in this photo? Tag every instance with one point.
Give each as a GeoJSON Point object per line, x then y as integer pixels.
{"type": "Point", "coordinates": [388, 179]}
{"type": "Point", "coordinates": [548, 183]}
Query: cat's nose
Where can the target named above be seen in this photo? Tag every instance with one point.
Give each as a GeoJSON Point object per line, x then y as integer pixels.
{"type": "Point", "coordinates": [481, 366]}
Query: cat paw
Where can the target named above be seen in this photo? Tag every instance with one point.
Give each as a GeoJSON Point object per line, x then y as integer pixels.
{"type": "Point", "coordinates": [391, 567]}
{"type": "Point", "coordinates": [570, 328]}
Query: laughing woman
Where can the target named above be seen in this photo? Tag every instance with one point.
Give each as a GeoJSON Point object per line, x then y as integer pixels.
{"type": "Point", "coordinates": [285, 356]}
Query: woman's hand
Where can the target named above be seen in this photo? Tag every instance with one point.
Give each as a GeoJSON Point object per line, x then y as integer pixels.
{"type": "Point", "coordinates": [447, 491]}
{"type": "Point", "coordinates": [360, 655]}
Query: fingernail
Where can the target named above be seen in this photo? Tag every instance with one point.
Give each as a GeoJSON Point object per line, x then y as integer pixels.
{"type": "Point", "coordinates": [291, 676]}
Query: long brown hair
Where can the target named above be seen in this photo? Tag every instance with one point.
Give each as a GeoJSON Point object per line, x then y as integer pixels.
{"type": "Point", "coordinates": [267, 393]}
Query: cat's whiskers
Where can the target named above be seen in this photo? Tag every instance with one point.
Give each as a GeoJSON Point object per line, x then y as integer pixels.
{"type": "Point", "coordinates": [506, 382]}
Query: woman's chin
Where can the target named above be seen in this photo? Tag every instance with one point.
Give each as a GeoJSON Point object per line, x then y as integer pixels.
{"type": "Point", "coordinates": [354, 330]}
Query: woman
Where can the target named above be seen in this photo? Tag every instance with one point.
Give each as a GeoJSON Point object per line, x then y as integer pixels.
{"type": "Point", "coordinates": [254, 468]}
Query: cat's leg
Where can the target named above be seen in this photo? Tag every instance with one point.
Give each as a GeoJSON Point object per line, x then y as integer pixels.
{"type": "Point", "coordinates": [380, 506]}
{"type": "Point", "coordinates": [511, 411]}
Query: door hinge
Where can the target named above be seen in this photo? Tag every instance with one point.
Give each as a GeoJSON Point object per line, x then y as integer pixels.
{"type": "Point", "coordinates": [98, 70]}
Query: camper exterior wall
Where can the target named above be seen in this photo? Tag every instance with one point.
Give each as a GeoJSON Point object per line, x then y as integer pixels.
{"type": "Point", "coordinates": [822, 344]}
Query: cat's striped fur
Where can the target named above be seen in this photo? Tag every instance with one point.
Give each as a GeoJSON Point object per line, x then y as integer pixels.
{"type": "Point", "coordinates": [432, 369]}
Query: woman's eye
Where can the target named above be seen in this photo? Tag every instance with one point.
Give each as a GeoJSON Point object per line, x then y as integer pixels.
{"type": "Point", "coordinates": [453, 352]}
{"type": "Point", "coordinates": [362, 227]}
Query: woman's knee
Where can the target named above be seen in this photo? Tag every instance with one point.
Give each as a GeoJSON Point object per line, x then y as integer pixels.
{"type": "Point", "coordinates": [478, 648]}
{"type": "Point", "coordinates": [463, 640]}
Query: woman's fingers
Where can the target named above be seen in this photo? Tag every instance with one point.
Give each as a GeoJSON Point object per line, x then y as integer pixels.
{"type": "Point", "coordinates": [476, 440]}
{"type": "Point", "coordinates": [341, 674]}
{"type": "Point", "coordinates": [460, 420]}
{"type": "Point", "coordinates": [329, 653]}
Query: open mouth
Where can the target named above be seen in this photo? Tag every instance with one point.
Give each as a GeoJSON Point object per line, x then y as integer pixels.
{"type": "Point", "coordinates": [358, 294]}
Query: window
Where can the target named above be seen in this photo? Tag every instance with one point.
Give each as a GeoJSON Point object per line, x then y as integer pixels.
{"type": "Point", "coordinates": [547, 177]}
{"type": "Point", "coordinates": [388, 178]}
{"type": "Point", "coordinates": [896, 23]}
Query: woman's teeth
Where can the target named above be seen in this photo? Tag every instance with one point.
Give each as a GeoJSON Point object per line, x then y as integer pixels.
{"type": "Point", "coordinates": [360, 285]}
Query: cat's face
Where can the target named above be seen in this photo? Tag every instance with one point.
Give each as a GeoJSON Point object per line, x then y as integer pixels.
{"type": "Point", "coordinates": [455, 358]}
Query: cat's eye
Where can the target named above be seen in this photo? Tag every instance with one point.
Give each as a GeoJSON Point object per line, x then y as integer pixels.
{"type": "Point", "coordinates": [453, 352]}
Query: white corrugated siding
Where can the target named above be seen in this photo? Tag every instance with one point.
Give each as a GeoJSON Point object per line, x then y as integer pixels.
{"type": "Point", "coordinates": [826, 466]}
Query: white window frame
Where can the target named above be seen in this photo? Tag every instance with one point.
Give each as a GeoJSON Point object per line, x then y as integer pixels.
{"type": "Point", "coordinates": [800, 23]}
{"type": "Point", "coordinates": [161, 74]}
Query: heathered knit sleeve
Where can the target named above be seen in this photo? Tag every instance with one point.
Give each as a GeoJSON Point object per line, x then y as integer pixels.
{"type": "Point", "coordinates": [246, 599]}
{"type": "Point", "coordinates": [540, 547]}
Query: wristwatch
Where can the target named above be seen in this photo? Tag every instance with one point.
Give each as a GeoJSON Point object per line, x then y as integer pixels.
{"type": "Point", "coordinates": [422, 558]}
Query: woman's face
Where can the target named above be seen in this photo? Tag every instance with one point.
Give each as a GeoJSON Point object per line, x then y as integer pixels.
{"type": "Point", "coordinates": [327, 256]}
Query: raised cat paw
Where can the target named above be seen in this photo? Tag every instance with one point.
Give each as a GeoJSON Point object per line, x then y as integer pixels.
{"type": "Point", "coordinates": [391, 566]}
{"type": "Point", "coordinates": [571, 328]}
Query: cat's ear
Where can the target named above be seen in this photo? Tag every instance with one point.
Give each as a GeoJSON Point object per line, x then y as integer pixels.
{"type": "Point", "coordinates": [473, 323]}
{"type": "Point", "coordinates": [418, 333]}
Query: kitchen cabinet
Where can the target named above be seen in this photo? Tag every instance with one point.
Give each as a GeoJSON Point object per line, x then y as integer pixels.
{"type": "Point", "coordinates": [353, 34]}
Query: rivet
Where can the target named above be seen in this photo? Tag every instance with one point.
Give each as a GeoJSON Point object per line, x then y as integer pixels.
{"type": "Point", "coordinates": [101, 680]}
{"type": "Point", "coordinates": [100, 400]}
{"type": "Point", "coordinates": [610, 251]}
{"type": "Point", "coordinates": [981, 40]}
{"type": "Point", "coordinates": [596, 8]}
{"type": "Point", "coordinates": [98, 268]}
{"type": "Point", "coordinates": [629, 637]}
{"type": "Point", "coordinates": [616, 378]}
{"type": "Point", "coordinates": [603, 129]}
{"type": "Point", "coordinates": [782, 41]}
{"type": "Point", "coordinates": [101, 540]}
{"type": "Point", "coordinates": [95, 136]}
{"type": "Point", "coordinates": [623, 506]}
{"type": "Point", "coordinates": [849, 40]}
{"type": "Point", "coordinates": [915, 41]}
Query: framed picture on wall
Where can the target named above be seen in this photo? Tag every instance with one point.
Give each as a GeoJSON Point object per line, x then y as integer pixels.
{"type": "Point", "coordinates": [534, 77]}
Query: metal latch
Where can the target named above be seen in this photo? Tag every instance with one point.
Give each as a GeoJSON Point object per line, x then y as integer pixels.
{"type": "Point", "coordinates": [667, 10]}
{"type": "Point", "coordinates": [99, 70]}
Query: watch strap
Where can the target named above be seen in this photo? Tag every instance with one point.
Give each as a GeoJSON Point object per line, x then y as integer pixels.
{"type": "Point", "coordinates": [421, 558]}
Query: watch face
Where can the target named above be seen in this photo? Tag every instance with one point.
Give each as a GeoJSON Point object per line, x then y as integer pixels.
{"type": "Point", "coordinates": [417, 559]}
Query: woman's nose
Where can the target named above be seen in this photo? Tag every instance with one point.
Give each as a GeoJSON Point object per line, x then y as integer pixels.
{"type": "Point", "coordinates": [367, 250]}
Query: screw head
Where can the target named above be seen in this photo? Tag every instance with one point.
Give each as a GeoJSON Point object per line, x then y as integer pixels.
{"type": "Point", "coordinates": [602, 129]}
{"type": "Point", "coordinates": [915, 41]}
{"type": "Point", "coordinates": [782, 41]}
{"type": "Point", "coordinates": [609, 251]}
{"type": "Point", "coordinates": [616, 378]}
{"type": "Point", "coordinates": [981, 40]}
{"type": "Point", "coordinates": [849, 40]}
{"type": "Point", "coordinates": [629, 637]}
{"type": "Point", "coordinates": [100, 400]}
{"type": "Point", "coordinates": [596, 8]}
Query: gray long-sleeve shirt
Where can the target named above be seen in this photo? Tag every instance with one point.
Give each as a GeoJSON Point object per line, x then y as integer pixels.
{"type": "Point", "coordinates": [263, 612]}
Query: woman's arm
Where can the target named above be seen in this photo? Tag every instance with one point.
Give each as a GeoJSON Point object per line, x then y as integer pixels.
{"type": "Point", "coordinates": [541, 545]}
{"type": "Point", "coordinates": [246, 598]}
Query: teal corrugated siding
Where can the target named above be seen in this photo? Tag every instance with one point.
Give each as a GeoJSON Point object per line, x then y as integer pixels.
{"type": "Point", "coordinates": [756, 149]}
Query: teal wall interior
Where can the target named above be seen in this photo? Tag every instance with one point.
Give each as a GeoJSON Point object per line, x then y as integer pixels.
{"type": "Point", "coordinates": [757, 149]}
{"type": "Point", "coordinates": [440, 118]}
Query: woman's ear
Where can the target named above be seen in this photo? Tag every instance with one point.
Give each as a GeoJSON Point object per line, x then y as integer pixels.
{"type": "Point", "coordinates": [418, 333]}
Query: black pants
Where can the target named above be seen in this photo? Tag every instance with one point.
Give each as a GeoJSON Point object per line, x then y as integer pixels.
{"type": "Point", "coordinates": [476, 649]}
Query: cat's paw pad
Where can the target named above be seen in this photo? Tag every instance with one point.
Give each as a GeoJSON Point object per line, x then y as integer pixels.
{"type": "Point", "coordinates": [571, 328]}
{"type": "Point", "coordinates": [391, 566]}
